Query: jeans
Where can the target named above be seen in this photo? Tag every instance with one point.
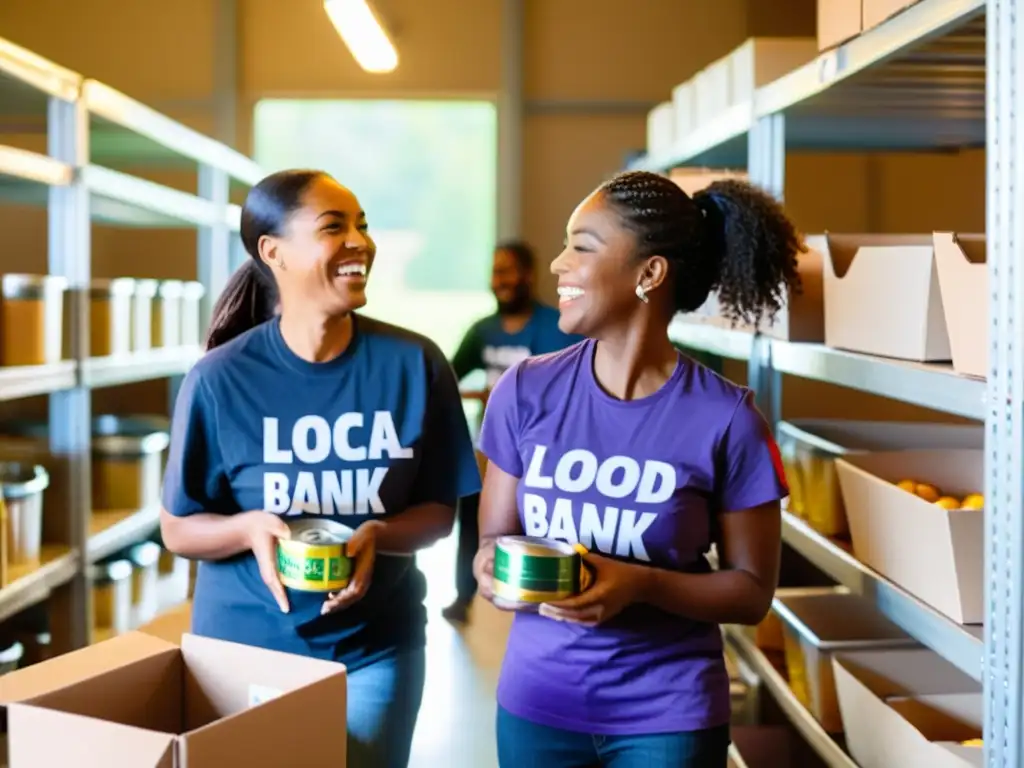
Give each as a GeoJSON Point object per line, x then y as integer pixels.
{"type": "Point", "coordinates": [383, 703]}
{"type": "Point", "coordinates": [522, 744]}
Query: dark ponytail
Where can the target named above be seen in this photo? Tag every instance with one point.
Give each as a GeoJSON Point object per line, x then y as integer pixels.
{"type": "Point", "coordinates": [250, 296]}
{"type": "Point", "coordinates": [731, 237]}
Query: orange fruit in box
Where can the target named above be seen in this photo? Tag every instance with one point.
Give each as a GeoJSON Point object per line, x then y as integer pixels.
{"type": "Point", "coordinates": [948, 502]}
{"type": "Point", "coordinates": [907, 485]}
{"type": "Point", "coordinates": [927, 492]}
{"type": "Point", "coordinates": [973, 743]}
{"type": "Point", "coordinates": [974, 501]}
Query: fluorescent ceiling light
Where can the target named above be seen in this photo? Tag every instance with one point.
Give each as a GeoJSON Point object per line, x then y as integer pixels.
{"type": "Point", "coordinates": [363, 33]}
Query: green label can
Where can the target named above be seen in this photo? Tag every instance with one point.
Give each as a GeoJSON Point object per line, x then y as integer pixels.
{"type": "Point", "coordinates": [529, 571]}
{"type": "Point", "coordinates": [315, 559]}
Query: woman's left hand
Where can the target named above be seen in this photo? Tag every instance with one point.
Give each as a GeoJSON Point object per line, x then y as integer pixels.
{"type": "Point", "coordinates": [616, 585]}
{"type": "Point", "coordinates": [362, 548]}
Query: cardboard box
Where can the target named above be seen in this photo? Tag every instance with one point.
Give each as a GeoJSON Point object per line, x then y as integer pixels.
{"type": "Point", "coordinates": [713, 91]}
{"type": "Point", "coordinates": [206, 703]}
{"type": "Point", "coordinates": [877, 11]}
{"type": "Point", "coordinates": [660, 129]}
{"type": "Point", "coordinates": [908, 708]}
{"type": "Point", "coordinates": [882, 295]}
{"type": "Point", "coordinates": [819, 623]}
{"type": "Point", "coordinates": [172, 624]}
{"type": "Point", "coordinates": [838, 21]}
{"type": "Point", "coordinates": [684, 110]}
{"type": "Point", "coordinates": [762, 60]}
{"type": "Point", "coordinates": [933, 553]}
{"type": "Point", "coordinates": [809, 448]}
{"type": "Point", "coordinates": [961, 261]}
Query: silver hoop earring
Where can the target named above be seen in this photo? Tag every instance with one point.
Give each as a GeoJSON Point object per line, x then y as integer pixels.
{"type": "Point", "coordinates": [641, 293]}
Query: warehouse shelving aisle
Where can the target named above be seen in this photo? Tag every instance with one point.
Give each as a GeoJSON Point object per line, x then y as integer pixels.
{"type": "Point", "coordinates": [92, 134]}
{"type": "Point", "coordinates": [915, 82]}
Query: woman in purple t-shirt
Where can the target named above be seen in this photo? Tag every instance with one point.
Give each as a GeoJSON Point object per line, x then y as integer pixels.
{"type": "Point", "coordinates": [645, 457]}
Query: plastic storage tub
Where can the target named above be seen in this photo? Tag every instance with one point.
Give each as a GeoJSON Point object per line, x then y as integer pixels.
{"type": "Point", "coordinates": [112, 596]}
{"type": "Point", "coordinates": [818, 623]}
{"type": "Point", "coordinates": [191, 314]}
{"type": "Point", "coordinates": [23, 487]}
{"type": "Point", "coordinates": [127, 461]}
{"type": "Point", "coordinates": [142, 314]}
{"type": "Point", "coordinates": [110, 316]}
{"type": "Point", "coordinates": [810, 446]}
{"type": "Point", "coordinates": [32, 319]}
{"type": "Point", "coordinates": [166, 327]}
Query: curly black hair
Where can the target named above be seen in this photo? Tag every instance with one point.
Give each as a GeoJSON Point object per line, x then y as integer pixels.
{"type": "Point", "coordinates": [731, 236]}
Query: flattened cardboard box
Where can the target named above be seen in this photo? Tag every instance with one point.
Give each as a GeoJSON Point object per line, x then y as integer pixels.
{"type": "Point", "coordinates": [207, 704]}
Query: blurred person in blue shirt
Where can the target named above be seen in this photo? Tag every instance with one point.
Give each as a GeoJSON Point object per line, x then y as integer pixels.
{"type": "Point", "coordinates": [521, 326]}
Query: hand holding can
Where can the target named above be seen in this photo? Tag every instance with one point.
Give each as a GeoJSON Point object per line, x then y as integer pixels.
{"type": "Point", "coordinates": [263, 530]}
{"type": "Point", "coordinates": [362, 548]}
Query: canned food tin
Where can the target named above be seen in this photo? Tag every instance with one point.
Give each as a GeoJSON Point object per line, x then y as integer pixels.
{"type": "Point", "coordinates": [529, 571]}
{"type": "Point", "coordinates": [315, 559]}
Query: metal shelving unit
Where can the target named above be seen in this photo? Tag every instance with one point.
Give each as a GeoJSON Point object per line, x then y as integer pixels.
{"type": "Point", "coordinates": [94, 137]}
{"type": "Point", "coordinates": [942, 74]}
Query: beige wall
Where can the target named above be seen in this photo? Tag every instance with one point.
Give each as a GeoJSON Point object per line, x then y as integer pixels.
{"type": "Point", "coordinates": [586, 62]}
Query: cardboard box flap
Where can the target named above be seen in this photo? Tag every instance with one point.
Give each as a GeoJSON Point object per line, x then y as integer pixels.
{"type": "Point", "coordinates": [42, 738]}
{"type": "Point", "coordinates": [942, 718]}
{"type": "Point", "coordinates": [963, 283]}
{"type": "Point", "coordinates": [846, 252]}
{"type": "Point", "coordinates": [149, 694]}
{"type": "Point", "coordinates": [83, 664]}
{"type": "Point", "coordinates": [954, 470]}
{"type": "Point", "coordinates": [972, 756]}
{"type": "Point", "coordinates": [905, 673]}
{"type": "Point", "coordinates": [226, 678]}
{"type": "Point", "coordinates": [253, 737]}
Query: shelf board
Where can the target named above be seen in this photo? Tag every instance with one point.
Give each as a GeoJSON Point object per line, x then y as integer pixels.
{"type": "Point", "coordinates": [716, 340]}
{"type": "Point", "coordinates": [810, 729]}
{"type": "Point", "coordinates": [721, 143]}
{"type": "Point", "coordinates": [113, 530]}
{"type": "Point", "coordinates": [31, 584]}
{"type": "Point", "coordinates": [928, 385]}
{"type": "Point", "coordinates": [934, 386]}
{"type": "Point", "coordinates": [121, 199]}
{"type": "Point", "coordinates": [22, 165]}
{"type": "Point", "coordinates": [22, 381]}
{"type": "Point", "coordinates": [153, 135]}
{"type": "Point", "coordinates": [961, 645]}
{"type": "Point", "coordinates": [27, 81]}
{"type": "Point", "coordinates": [138, 366]}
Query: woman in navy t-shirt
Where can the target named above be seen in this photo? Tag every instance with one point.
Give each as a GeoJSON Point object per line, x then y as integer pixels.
{"type": "Point", "coordinates": [317, 412]}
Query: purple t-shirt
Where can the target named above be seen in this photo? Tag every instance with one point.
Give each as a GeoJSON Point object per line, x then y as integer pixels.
{"type": "Point", "coordinates": [640, 480]}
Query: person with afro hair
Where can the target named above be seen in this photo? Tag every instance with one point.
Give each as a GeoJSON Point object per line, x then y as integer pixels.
{"type": "Point", "coordinates": [646, 458]}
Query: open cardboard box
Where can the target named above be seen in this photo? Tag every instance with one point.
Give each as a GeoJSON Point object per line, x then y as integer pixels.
{"type": "Point", "coordinates": [933, 553]}
{"type": "Point", "coordinates": [907, 708]}
{"type": "Point", "coordinates": [882, 296]}
{"type": "Point", "coordinates": [963, 284]}
{"type": "Point", "coordinates": [838, 21]}
{"type": "Point", "coordinates": [205, 703]}
{"type": "Point", "coordinates": [763, 60]}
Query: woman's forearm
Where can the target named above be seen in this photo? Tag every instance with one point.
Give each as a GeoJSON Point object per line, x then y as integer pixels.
{"type": "Point", "coordinates": [722, 597]}
{"type": "Point", "coordinates": [204, 536]}
{"type": "Point", "coordinates": [416, 528]}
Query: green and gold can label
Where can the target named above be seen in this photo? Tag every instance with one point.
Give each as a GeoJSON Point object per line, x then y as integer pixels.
{"type": "Point", "coordinates": [533, 571]}
{"type": "Point", "coordinates": [314, 559]}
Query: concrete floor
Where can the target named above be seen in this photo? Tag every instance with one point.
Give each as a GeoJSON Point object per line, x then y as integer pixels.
{"type": "Point", "coordinates": [456, 723]}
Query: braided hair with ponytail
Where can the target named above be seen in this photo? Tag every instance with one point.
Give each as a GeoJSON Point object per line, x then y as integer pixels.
{"type": "Point", "coordinates": [731, 237]}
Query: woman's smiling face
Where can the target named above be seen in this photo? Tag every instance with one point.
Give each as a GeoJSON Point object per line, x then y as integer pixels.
{"type": "Point", "coordinates": [597, 271]}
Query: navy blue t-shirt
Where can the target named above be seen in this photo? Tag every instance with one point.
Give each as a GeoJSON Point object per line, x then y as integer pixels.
{"type": "Point", "coordinates": [370, 434]}
{"type": "Point", "coordinates": [488, 346]}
